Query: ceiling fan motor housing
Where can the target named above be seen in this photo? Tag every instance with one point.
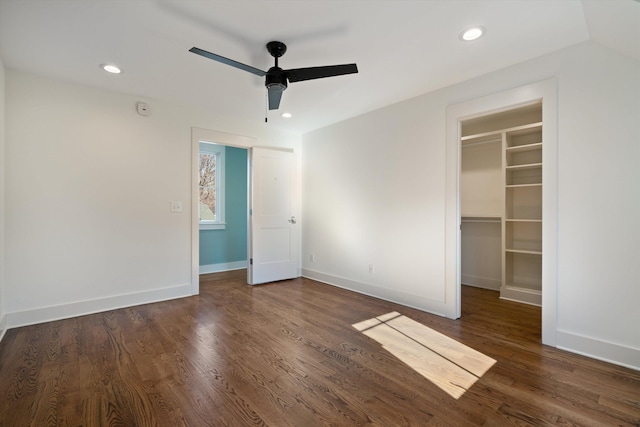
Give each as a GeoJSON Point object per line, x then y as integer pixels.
{"type": "Point", "coordinates": [276, 78]}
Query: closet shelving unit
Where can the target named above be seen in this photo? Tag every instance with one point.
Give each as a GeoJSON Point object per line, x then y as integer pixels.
{"type": "Point", "coordinates": [522, 225]}
{"type": "Point", "coordinates": [522, 218]}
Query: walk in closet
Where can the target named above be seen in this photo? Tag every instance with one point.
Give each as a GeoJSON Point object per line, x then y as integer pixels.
{"type": "Point", "coordinates": [501, 203]}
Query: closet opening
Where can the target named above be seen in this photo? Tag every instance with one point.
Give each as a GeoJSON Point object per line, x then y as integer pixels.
{"type": "Point", "coordinates": [501, 202]}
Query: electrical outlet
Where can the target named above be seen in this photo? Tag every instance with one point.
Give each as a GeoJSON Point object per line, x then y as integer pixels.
{"type": "Point", "coordinates": [176, 207]}
{"type": "Point", "coordinates": [372, 269]}
{"type": "Point", "coordinates": [312, 257]}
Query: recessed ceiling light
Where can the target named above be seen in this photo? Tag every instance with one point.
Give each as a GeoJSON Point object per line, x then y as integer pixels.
{"type": "Point", "coordinates": [286, 115]}
{"type": "Point", "coordinates": [472, 34]}
{"type": "Point", "coordinates": [110, 68]}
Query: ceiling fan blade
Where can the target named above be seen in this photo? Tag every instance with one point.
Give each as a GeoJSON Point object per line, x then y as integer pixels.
{"type": "Point", "coordinates": [275, 94]}
{"type": "Point", "coordinates": [228, 61]}
{"type": "Point", "coordinates": [310, 73]}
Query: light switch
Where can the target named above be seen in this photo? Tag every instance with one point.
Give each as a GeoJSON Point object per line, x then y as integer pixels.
{"type": "Point", "coordinates": [176, 206]}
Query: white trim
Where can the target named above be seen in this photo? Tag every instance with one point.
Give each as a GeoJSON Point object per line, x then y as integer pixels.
{"type": "Point", "coordinates": [204, 225]}
{"type": "Point", "coordinates": [547, 91]}
{"type": "Point", "coordinates": [409, 300]}
{"type": "Point", "coordinates": [523, 295]}
{"type": "Point", "coordinates": [222, 266]}
{"type": "Point", "coordinates": [197, 135]}
{"type": "Point", "coordinates": [81, 308]}
{"type": "Point", "coordinates": [601, 350]}
{"type": "Point", "coordinates": [208, 147]}
{"type": "Point", "coordinates": [3, 326]}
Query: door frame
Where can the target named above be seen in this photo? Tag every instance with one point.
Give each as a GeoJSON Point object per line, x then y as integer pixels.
{"type": "Point", "coordinates": [546, 91]}
{"type": "Point", "coordinates": [222, 138]}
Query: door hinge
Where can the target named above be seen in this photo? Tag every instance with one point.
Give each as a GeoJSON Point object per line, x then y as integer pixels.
{"type": "Point", "coordinates": [250, 261]}
{"type": "Point", "coordinates": [250, 211]}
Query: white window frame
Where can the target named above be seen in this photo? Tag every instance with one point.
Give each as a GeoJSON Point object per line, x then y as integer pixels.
{"type": "Point", "coordinates": [218, 150]}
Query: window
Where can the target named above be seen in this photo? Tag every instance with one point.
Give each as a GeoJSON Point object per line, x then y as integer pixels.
{"type": "Point", "coordinates": [211, 186]}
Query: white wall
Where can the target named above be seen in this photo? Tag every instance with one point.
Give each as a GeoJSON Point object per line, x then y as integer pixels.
{"type": "Point", "coordinates": [88, 188]}
{"type": "Point", "coordinates": [481, 181]}
{"type": "Point", "coordinates": [3, 319]}
{"type": "Point", "coordinates": [481, 195]}
{"type": "Point", "coordinates": [374, 192]}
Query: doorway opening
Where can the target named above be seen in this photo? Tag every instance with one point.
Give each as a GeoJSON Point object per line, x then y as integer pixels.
{"type": "Point", "coordinates": [270, 208]}
{"type": "Point", "coordinates": [223, 205]}
{"type": "Point", "coordinates": [219, 235]}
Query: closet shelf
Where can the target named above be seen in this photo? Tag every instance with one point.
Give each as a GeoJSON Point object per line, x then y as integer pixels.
{"type": "Point", "coordinates": [468, 141]}
{"type": "Point", "coordinates": [515, 130]}
{"type": "Point", "coordinates": [527, 147]}
{"type": "Point", "coordinates": [525, 166]}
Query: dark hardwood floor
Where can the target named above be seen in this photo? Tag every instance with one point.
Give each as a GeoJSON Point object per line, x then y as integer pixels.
{"type": "Point", "coordinates": [286, 354]}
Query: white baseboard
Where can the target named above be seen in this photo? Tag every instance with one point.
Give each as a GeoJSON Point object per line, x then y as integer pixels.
{"type": "Point", "coordinates": [525, 296]}
{"type": "Point", "coordinates": [223, 266]}
{"type": "Point", "coordinates": [598, 349]}
{"type": "Point", "coordinates": [481, 282]}
{"type": "Point", "coordinates": [3, 326]}
{"type": "Point", "coordinates": [81, 308]}
{"type": "Point", "coordinates": [409, 300]}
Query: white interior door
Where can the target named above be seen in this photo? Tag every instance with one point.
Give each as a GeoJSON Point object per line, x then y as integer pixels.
{"type": "Point", "coordinates": [273, 241]}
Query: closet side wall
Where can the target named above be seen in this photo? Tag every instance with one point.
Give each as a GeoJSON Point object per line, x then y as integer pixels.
{"type": "Point", "coordinates": [481, 206]}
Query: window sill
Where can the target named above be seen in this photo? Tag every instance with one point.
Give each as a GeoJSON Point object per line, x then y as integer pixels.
{"type": "Point", "coordinates": [217, 226]}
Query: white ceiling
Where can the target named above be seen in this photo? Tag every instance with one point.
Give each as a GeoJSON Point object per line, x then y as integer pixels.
{"type": "Point", "coordinates": [402, 48]}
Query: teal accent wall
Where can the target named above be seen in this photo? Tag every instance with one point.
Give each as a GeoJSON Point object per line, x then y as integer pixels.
{"type": "Point", "coordinates": [230, 244]}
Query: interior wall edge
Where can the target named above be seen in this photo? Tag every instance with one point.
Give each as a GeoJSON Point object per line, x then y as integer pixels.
{"type": "Point", "coordinates": [616, 354]}
{"type": "Point", "coordinates": [83, 308]}
{"type": "Point", "coordinates": [412, 301]}
{"type": "Point", "coordinates": [3, 320]}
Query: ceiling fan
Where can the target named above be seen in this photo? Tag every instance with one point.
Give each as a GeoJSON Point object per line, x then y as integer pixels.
{"type": "Point", "coordinates": [276, 79]}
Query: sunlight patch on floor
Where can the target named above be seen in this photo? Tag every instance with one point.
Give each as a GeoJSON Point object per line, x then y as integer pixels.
{"type": "Point", "coordinates": [450, 365]}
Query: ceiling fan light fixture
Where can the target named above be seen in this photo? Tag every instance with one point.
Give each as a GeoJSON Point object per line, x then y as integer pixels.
{"type": "Point", "coordinates": [276, 86]}
{"type": "Point", "coordinates": [110, 68]}
{"type": "Point", "coordinates": [471, 34]}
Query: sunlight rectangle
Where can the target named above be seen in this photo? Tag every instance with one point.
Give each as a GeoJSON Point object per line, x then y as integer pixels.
{"type": "Point", "coordinates": [452, 366]}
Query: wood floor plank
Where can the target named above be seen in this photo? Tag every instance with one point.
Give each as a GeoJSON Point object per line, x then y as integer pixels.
{"type": "Point", "coordinates": [287, 354]}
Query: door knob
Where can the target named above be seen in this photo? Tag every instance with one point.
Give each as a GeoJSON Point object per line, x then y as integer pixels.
{"type": "Point", "coordinates": [292, 220]}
